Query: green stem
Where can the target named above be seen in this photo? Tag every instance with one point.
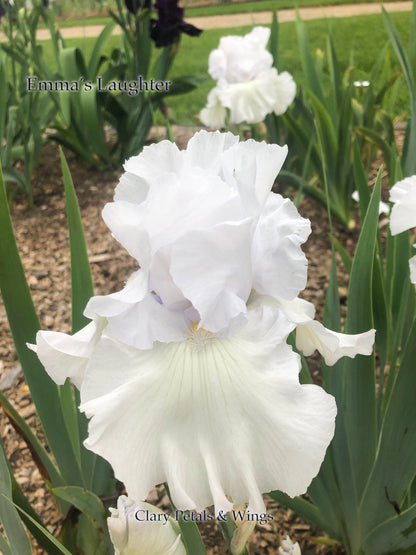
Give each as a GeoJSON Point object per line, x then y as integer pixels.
{"type": "Point", "coordinates": [190, 534]}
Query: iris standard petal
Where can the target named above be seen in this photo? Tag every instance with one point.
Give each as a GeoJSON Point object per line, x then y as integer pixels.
{"type": "Point", "coordinates": [279, 265]}
{"type": "Point", "coordinates": [251, 168]}
{"type": "Point", "coordinates": [219, 420]}
{"type": "Point", "coordinates": [154, 161]}
{"type": "Point", "coordinates": [241, 58]}
{"type": "Point", "coordinates": [221, 297]}
{"type": "Point", "coordinates": [206, 150]}
{"type": "Point", "coordinates": [215, 217]}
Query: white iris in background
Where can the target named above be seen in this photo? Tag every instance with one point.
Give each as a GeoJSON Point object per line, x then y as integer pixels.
{"type": "Point", "coordinates": [403, 212]}
{"type": "Point", "coordinates": [247, 84]}
{"type": "Point", "coordinates": [289, 548]}
{"type": "Point", "coordinates": [143, 529]}
{"type": "Point", "coordinates": [186, 373]}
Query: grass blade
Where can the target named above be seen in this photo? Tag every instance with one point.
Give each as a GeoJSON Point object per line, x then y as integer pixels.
{"type": "Point", "coordinates": [359, 373]}
{"type": "Point", "coordinates": [9, 517]}
{"type": "Point", "coordinates": [97, 52]}
{"type": "Point", "coordinates": [44, 531]}
{"type": "Point", "coordinates": [46, 467]}
{"type": "Point", "coordinates": [308, 64]}
{"type": "Point", "coordinates": [395, 535]}
{"type": "Point", "coordinates": [396, 462]}
{"type": "Point", "coordinates": [98, 472]}
{"type": "Point", "coordinates": [189, 531]}
{"type": "Point", "coordinates": [24, 324]}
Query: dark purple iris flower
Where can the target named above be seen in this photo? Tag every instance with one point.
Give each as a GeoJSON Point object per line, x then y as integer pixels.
{"type": "Point", "coordinates": [170, 24]}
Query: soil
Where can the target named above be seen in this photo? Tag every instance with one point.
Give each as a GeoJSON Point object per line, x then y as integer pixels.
{"type": "Point", "coordinates": [42, 239]}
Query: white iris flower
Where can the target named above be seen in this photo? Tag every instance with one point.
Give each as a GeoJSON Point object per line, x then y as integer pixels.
{"type": "Point", "coordinates": [289, 548]}
{"type": "Point", "coordinates": [186, 374]}
{"type": "Point", "coordinates": [143, 529]}
{"type": "Point", "coordinates": [247, 84]}
{"type": "Point", "coordinates": [403, 212]}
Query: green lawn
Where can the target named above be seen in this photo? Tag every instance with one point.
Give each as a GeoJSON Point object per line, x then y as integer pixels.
{"type": "Point", "coordinates": [260, 6]}
{"type": "Point", "coordinates": [218, 8]}
{"type": "Point", "coordinates": [358, 42]}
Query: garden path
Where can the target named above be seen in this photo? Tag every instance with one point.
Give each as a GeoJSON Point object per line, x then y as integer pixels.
{"type": "Point", "coordinates": [257, 18]}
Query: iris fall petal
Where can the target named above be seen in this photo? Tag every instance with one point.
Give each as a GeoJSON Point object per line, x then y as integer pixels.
{"type": "Point", "coordinates": [190, 414]}
{"type": "Point", "coordinates": [65, 356]}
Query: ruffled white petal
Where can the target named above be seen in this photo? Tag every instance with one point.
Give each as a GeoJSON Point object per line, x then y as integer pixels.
{"type": "Point", "coordinates": [143, 529]}
{"type": "Point", "coordinates": [195, 199]}
{"type": "Point", "coordinates": [65, 356]}
{"type": "Point", "coordinates": [280, 267]}
{"type": "Point", "coordinates": [285, 89]}
{"type": "Point", "coordinates": [312, 335]}
{"type": "Point", "coordinates": [298, 310]}
{"type": "Point", "coordinates": [122, 218]}
{"type": "Point", "coordinates": [112, 305]}
{"type": "Point", "coordinates": [332, 345]}
{"type": "Point", "coordinates": [131, 188]}
{"type": "Point", "coordinates": [241, 58]}
{"type": "Point", "coordinates": [198, 254]}
{"type": "Point", "coordinates": [137, 317]}
{"type": "Point", "coordinates": [151, 164]}
{"type": "Point", "coordinates": [217, 64]}
{"type": "Point", "coordinates": [206, 150]}
{"type": "Point", "coordinates": [250, 100]}
{"type": "Point", "coordinates": [213, 115]}
{"type": "Point", "coordinates": [251, 168]}
{"type": "Point", "coordinates": [216, 217]}
{"type": "Point", "coordinates": [217, 419]}
{"type": "Point", "coordinates": [403, 212]}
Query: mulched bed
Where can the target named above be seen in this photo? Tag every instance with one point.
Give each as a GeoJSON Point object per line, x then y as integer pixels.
{"type": "Point", "coordinates": [42, 238]}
